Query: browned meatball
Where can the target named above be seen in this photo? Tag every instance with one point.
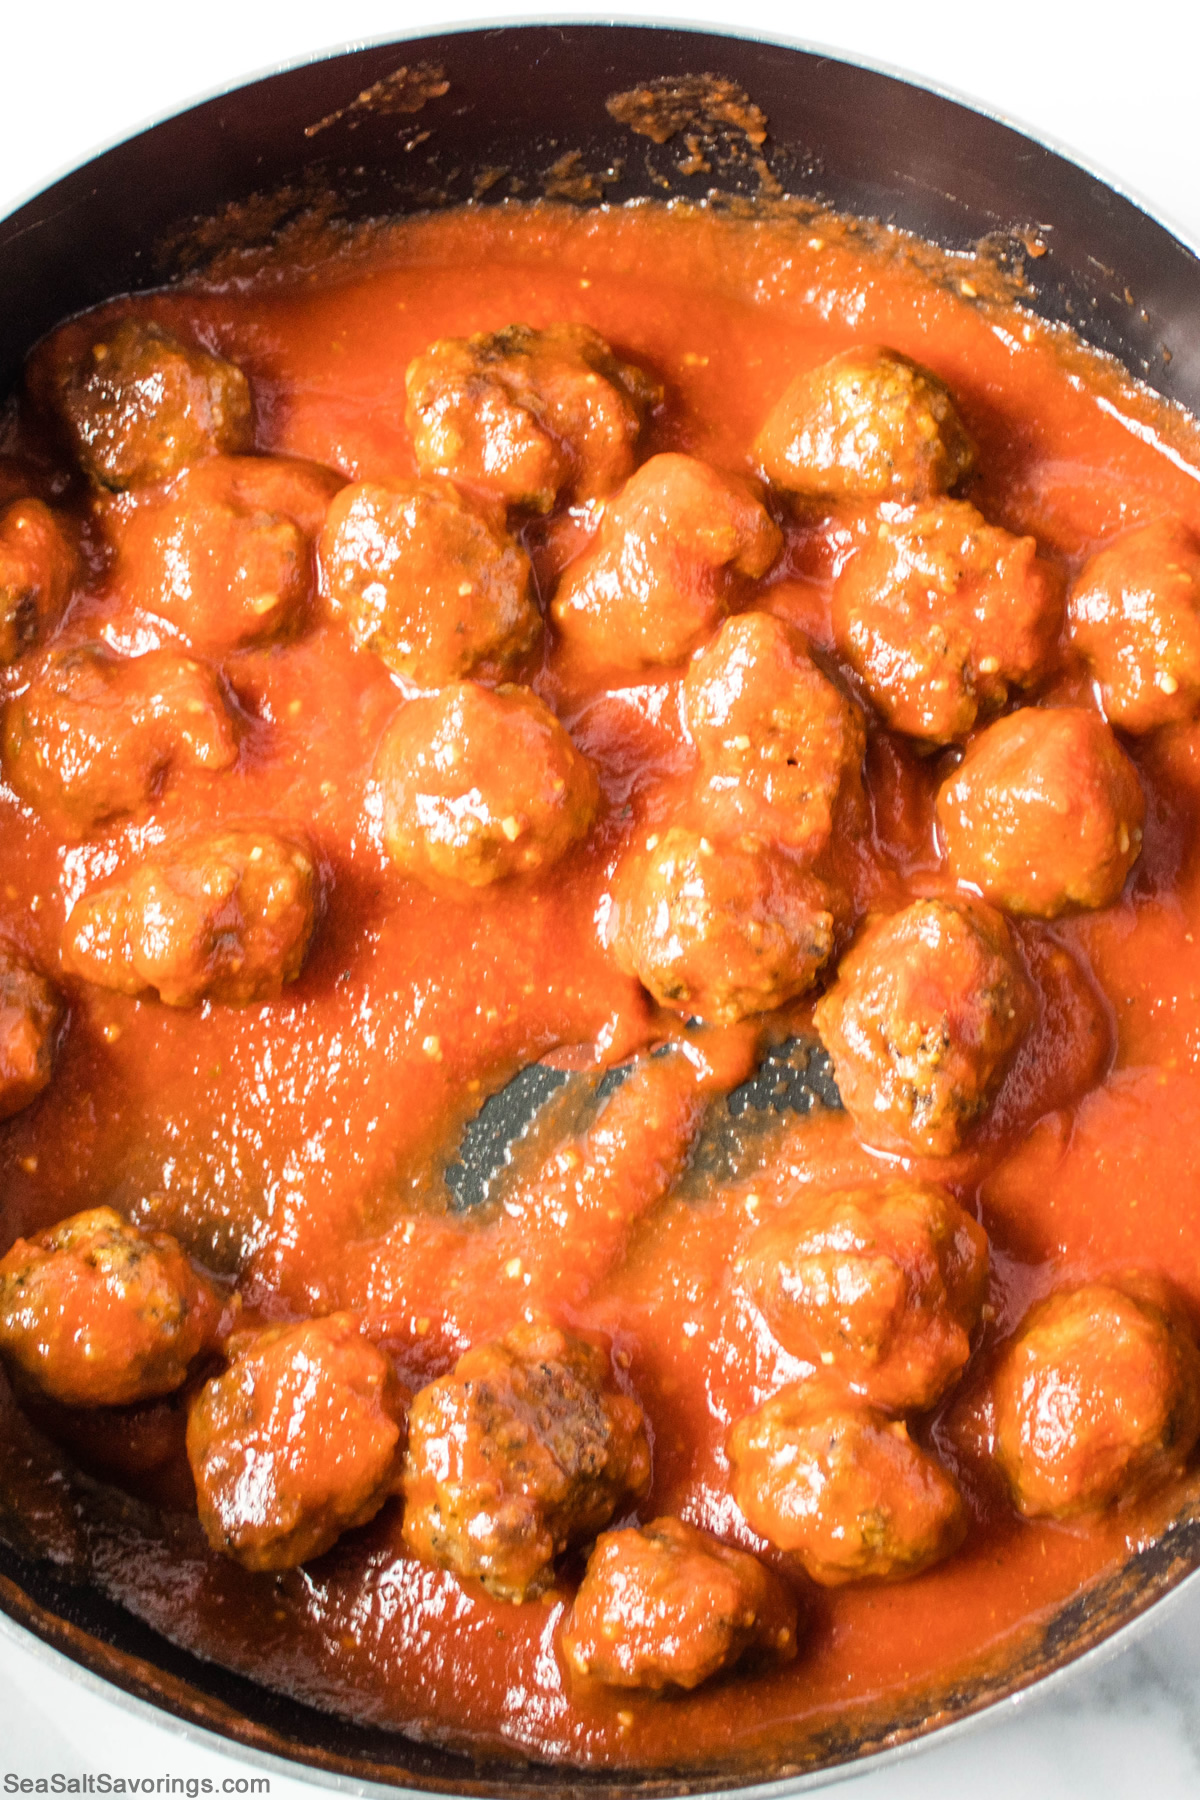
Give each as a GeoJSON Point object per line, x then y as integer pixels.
{"type": "Point", "coordinates": [778, 744]}
{"type": "Point", "coordinates": [297, 1441]}
{"type": "Point", "coordinates": [479, 784]}
{"type": "Point", "coordinates": [426, 582]}
{"type": "Point", "coordinates": [1045, 812]}
{"type": "Point", "coordinates": [30, 1015]}
{"type": "Point", "coordinates": [881, 1285]}
{"type": "Point", "coordinates": [665, 1605]}
{"type": "Point", "coordinates": [97, 1313]}
{"type": "Point", "coordinates": [943, 615]}
{"type": "Point", "coordinates": [226, 555]}
{"type": "Point", "coordinates": [1096, 1398]}
{"type": "Point", "coordinates": [923, 1021]}
{"type": "Point", "coordinates": [842, 1487]}
{"type": "Point", "coordinates": [37, 568]}
{"type": "Point", "coordinates": [139, 405]}
{"type": "Point", "coordinates": [672, 549]}
{"type": "Point", "coordinates": [1134, 613]}
{"type": "Point", "coordinates": [867, 425]}
{"type": "Point", "coordinates": [94, 734]}
{"type": "Point", "coordinates": [528, 415]}
{"type": "Point", "coordinates": [525, 1448]}
{"type": "Point", "coordinates": [225, 918]}
{"type": "Point", "coordinates": [720, 930]}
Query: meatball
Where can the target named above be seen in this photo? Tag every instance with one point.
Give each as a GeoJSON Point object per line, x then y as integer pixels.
{"type": "Point", "coordinates": [867, 425]}
{"type": "Point", "coordinates": [1134, 613]}
{"type": "Point", "coordinates": [527, 416]}
{"type": "Point", "coordinates": [138, 405]}
{"type": "Point", "coordinates": [295, 1442]}
{"type": "Point", "coordinates": [94, 734]}
{"type": "Point", "coordinates": [1096, 1398]}
{"type": "Point", "coordinates": [942, 615]}
{"type": "Point", "coordinates": [882, 1285]}
{"type": "Point", "coordinates": [479, 784]}
{"type": "Point", "coordinates": [225, 556]}
{"type": "Point", "coordinates": [525, 1448]}
{"type": "Point", "coordinates": [778, 744]}
{"type": "Point", "coordinates": [843, 1488]}
{"type": "Point", "coordinates": [721, 930]}
{"type": "Point", "coordinates": [923, 1020]}
{"type": "Point", "coordinates": [97, 1313]}
{"type": "Point", "coordinates": [37, 569]}
{"type": "Point", "coordinates": [225, 918]}
{"type": "Point", "coordinates": [427, 583]}
{"type": "Point", "coordinates": [665, 1605]}
{"type": "Point", "coordinates": [30, 1016]}
{"type": "Point", "coordinates": [1044, 813]}
{"type": "Point", "coordinates": [671, 550]}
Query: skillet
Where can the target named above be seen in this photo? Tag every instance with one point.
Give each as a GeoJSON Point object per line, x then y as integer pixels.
{"type": "Point", "coordinates": [525, 98]}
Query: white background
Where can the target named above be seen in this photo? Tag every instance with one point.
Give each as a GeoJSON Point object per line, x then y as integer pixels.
{"type": "Point", "coordinates": [1117, 88]}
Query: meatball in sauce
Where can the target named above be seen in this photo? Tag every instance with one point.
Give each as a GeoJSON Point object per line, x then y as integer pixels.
{"type": "Point", "coordinates": [225, 918]}
{"type": "Point", "coordinates": [664, 1605]}
{"type": "Point", "coordinates": [528, 416]}
{"type": "Point", "coordinates": [429, 584]}
{"type": "Point", "coordinates": [1096, 1398]}
{"type": "Point", "coordinates": [96, 1312]}
{"type": "Point", "coordinates": [925, 1016]}
{"type": "Point", "coordinates": [672, 548]}
{"type": "Point", "coordinates": [944, 616]}
{"type": "Point", "coordinates": [137, 404]}
{"type": "Point", "coordinates": [842, 1488]}
{"type": "Point", "coordinates": [37, 571]}
{"type": "Point", "coordinates": [1044, 814]}
{"type": "Point", "coordinates": [295, 1442]}
{"type": "Point", "coordinates": [780, 747]}
{"type": "Point", "coordinates": [478, 784]}
{"type": "Point", "coordinates": [720, 931]}
{"type": "Point", "coordinates": [224, 557]}
{"type": "Point", "coordinates": [96, 735]}
{"type": "Point", "coordinates": [525, 1448]}
{"type": "Point", "coordinates": [31, 1013]}
{"type": "Point", "coordinates": [883, 1285]}
{"type": "Point", "coordinates": [1134, 615]}
{"type": "Point", "coordinates": [867, 425]}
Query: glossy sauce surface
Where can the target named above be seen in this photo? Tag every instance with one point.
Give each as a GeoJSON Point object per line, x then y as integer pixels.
{"type": "Point", "coordinates": [299, 1144]}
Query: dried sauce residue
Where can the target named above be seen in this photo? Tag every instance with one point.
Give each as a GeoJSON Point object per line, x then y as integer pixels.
{"type": "Point", "coordinates": [406, 90]}
{"type": "Point", "coordinates": [245, 226]}
{"type": "Point", "coordinates": [487, 178]}
{"type": "Point", "coordinates": [567, 179]}
{"type": "Point", "coordinates": [698, 104]}
{"type": "Point", "coordinates": [695, 162]}
{"type": "Point", "coordinates": [717, 120]}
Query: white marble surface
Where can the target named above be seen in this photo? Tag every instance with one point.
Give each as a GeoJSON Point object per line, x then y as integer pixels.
{"type": "Point", "coordinates": [1115, 88]}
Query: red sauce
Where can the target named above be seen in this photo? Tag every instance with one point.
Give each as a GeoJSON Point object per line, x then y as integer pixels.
{"type": "Point", "coordinates": [298, 1143]}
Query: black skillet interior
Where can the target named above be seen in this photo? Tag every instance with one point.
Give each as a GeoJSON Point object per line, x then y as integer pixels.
{"type": "Point", "coordinates": [520, 99]}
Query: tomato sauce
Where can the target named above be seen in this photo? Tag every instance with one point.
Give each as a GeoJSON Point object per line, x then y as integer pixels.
{"type": "Point", "coordinates": [300, 1145]}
